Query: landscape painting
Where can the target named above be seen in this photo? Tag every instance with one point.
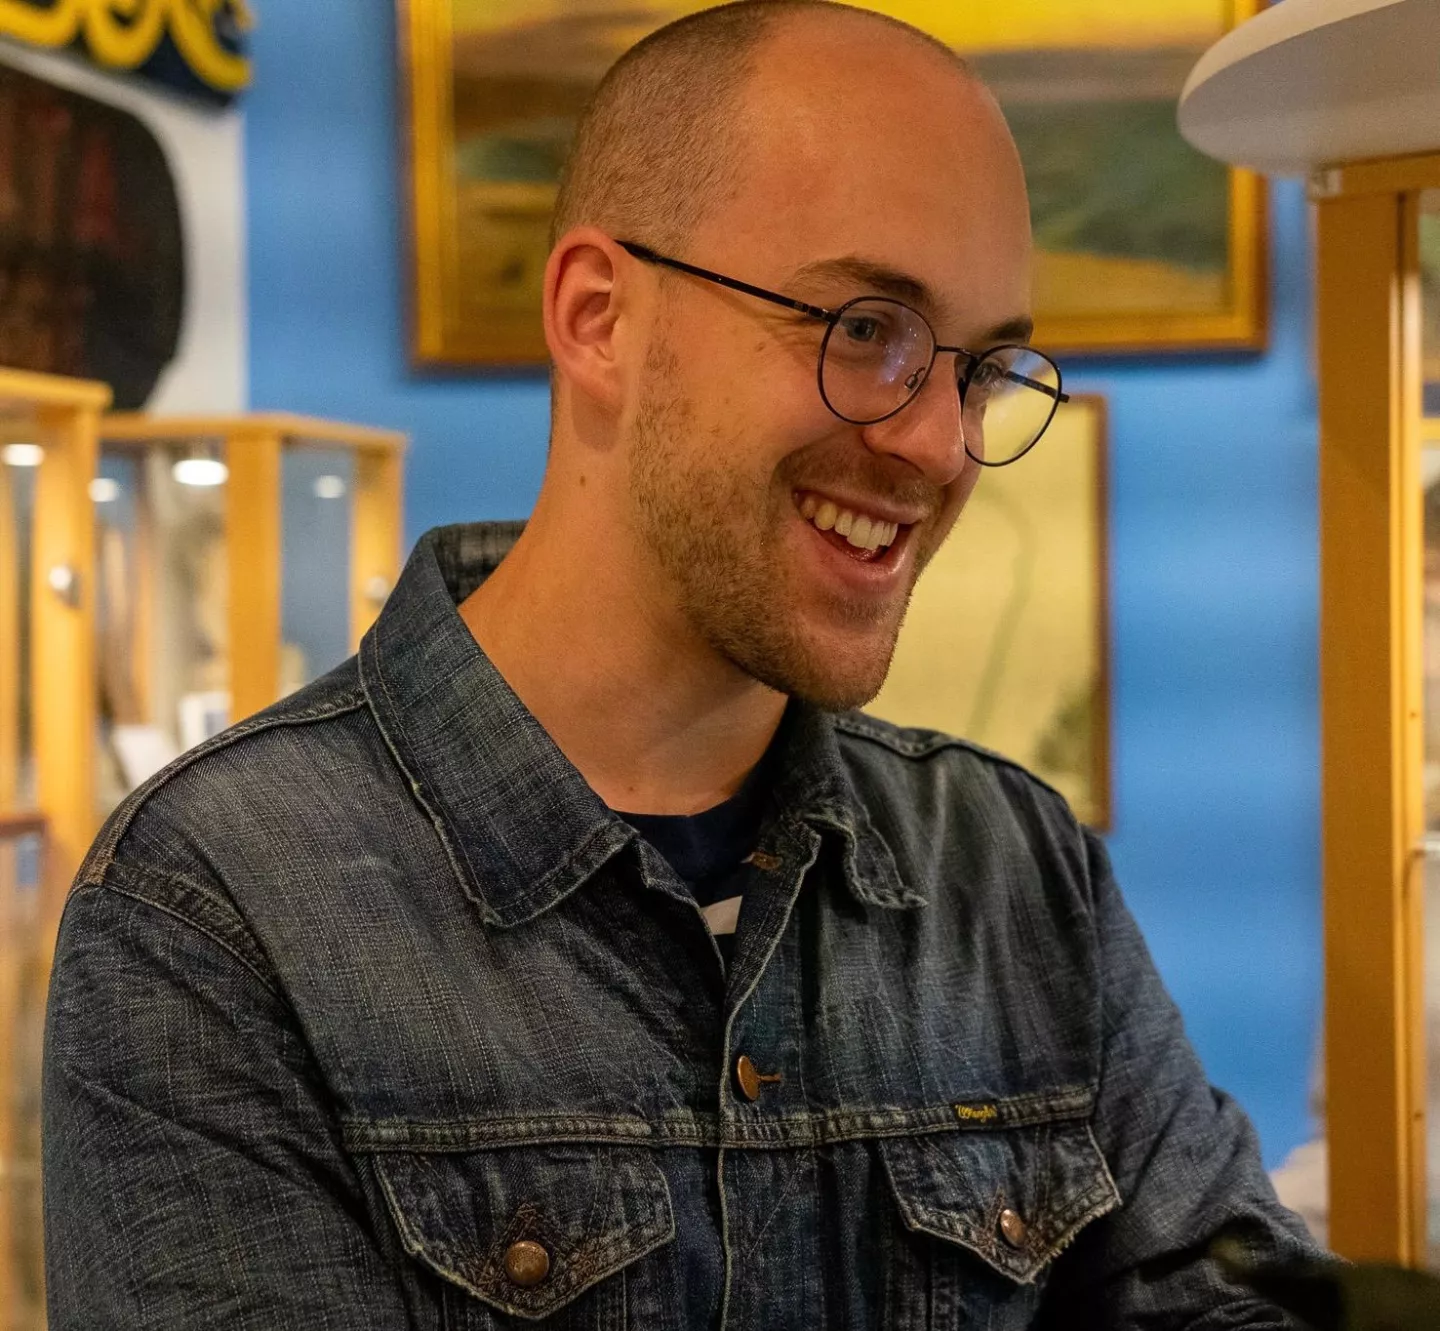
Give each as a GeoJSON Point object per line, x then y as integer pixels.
{"type": "Point", "coordinates": [1144, 244]}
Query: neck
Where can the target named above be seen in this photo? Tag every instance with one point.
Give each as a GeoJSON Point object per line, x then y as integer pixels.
{"type": "Point", "coordinates": [651, 715]}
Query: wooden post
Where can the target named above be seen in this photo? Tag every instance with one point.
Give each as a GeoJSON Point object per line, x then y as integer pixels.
{"type": "Point", "coordinates": [252, 533]}
{"type": "Point", "coordinates": [1371, 737]}
{"type": "Point", "coordinates": [63, 641]}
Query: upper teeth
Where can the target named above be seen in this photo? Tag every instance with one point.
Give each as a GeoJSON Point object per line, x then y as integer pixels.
{"type": "Point", "coordinates": [862, 531]}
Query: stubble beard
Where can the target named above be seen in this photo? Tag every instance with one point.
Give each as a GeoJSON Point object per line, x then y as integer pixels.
{"type": "Point", "coordinates": [714, 531]}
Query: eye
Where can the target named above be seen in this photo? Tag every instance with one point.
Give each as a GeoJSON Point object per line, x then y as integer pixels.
{"type": "Point", "coordinates": [861, 328]}
{"type": "Point", "coordinates": [988, 374]}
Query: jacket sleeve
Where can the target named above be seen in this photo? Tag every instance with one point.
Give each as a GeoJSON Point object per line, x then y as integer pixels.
{"type": "Point", "coordinates": [1184, 1158]}
{"type": "Point", "coordinates": [193, 1175]}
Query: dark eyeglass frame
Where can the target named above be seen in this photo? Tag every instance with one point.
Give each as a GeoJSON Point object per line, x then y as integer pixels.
{"type": "Point", "coordinates": [831, 318]}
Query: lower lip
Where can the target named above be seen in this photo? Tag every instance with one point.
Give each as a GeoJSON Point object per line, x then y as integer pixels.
{"type": "Point", "coordinates": [876, 576]}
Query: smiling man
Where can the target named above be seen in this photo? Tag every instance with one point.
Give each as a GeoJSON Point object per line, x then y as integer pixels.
{"type": "Point", "coordinates": [575, 957]}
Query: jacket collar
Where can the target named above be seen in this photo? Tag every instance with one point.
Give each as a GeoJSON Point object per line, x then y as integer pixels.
{"type": "Point", "coordinates": [521, 826]}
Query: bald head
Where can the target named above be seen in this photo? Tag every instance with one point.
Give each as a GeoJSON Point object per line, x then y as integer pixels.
{"type": "Point", "coordinates": [664, 139]}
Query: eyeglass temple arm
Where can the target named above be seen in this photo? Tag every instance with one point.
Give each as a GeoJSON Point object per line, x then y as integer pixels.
{"type": "Point", "coordinates": [645, 253]}
{"type": "Point", "coordinates": [975, 357]}
{"type": "Point", "coordinates": [1038, 387]}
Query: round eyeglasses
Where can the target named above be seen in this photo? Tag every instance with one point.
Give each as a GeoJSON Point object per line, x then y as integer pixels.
{"type": "Point", "coordinates": [878, 353]}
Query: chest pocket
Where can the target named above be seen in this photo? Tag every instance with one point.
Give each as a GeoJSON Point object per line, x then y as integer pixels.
{"type": "Point", "coordinates": [537, 1234]}
{"type": "Point", "coordinates": [983, 1215]}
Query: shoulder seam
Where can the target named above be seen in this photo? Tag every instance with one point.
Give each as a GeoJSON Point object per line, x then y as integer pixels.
{"type": "Point", "coordinates": [109, 885]}
{"type": "Point", "coordinates": [102, 853]}
{"type": "Point", "coordinates": [883, 733]}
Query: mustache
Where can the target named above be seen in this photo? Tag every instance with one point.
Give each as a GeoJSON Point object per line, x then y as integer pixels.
{"type": "Point", "coordinates": [884, 479]}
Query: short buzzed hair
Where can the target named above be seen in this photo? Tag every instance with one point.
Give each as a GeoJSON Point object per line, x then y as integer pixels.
{"type": "Point", "coordinates": [660, 142]}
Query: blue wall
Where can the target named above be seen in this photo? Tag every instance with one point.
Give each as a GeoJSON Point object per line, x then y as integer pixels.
{"type": "Point", "coordinates": [1213, 539]}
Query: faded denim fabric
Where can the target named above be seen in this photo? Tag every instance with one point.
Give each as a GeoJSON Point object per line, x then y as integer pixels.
{"type": "Point", "coordinates": [371, 987]}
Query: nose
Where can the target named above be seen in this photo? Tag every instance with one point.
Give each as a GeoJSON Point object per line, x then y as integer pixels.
{"type": "Point", "coordinates": [927, 431]}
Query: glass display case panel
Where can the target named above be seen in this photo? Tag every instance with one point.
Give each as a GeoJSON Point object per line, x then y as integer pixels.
{"type": "Point", "coordinates": [20, 460]}
{"type": "Point", "coordinates": [162, 607]}
{"type": "Point", "coordinates": [23, 975]}
{"type": "Point", "coordinates": [317, 541]}
{"type": "Point", "coordinates": [1430, 299]}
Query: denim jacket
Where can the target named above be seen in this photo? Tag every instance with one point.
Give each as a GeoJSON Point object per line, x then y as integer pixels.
{"type": "Point", "coordinates": [369, 1013]}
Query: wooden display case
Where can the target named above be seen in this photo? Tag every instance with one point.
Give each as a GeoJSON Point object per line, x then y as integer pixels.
{"type": "Point", "coordinates": [87, 597]}
{"type": "Point", "coordinates": [1373, 294]}
{"type": "Point", "coordinates": [223, 542]}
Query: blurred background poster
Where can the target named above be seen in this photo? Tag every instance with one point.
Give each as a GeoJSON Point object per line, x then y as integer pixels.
{"type": "Point", "coordinates": [1144, 244]}
{"type": "Point", "coordinates": [1006, 641]}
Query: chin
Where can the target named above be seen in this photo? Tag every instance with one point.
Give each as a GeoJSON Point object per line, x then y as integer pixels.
{"type": "Point", "coordinates": [838, 700]}
{"type": "Point", "coordinates": [812, 677]}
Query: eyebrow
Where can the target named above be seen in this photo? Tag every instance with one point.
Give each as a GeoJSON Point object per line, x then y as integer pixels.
{"type": "Point", "coordinates": [886, 281]}
{"type": "Point", "coordinates": [877, 277]}
{"type": "Point", "coordinates": [1019, 329]}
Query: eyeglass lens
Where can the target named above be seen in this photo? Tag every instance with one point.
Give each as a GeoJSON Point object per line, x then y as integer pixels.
{"type": "Point", "coordinates": [876, 357]}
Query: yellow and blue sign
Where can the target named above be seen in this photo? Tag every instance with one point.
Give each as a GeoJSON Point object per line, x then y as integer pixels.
{"type": "Point", "coordinates": [146, 35]}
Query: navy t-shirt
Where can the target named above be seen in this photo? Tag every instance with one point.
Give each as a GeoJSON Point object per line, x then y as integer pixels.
{"type": "Point", "coordinates": [709, 849]}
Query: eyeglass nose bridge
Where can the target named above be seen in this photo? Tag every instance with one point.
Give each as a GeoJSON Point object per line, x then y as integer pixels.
{"type": "Point", "coordinates": [918, 377]}
{"type": "Point", "coordinates": [965, 364]}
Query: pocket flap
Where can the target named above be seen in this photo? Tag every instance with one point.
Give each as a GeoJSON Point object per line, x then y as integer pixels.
{"type": "Point", "coordinates": [1015, 1197]}
{"type": "Point", "coordinates": [594, 1210]}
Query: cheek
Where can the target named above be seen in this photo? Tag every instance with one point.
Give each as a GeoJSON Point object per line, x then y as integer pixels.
{"type": "Point", "coordinates": [756, 367]}
{"type": "Point", "coordinates": [752, 387]}
{"type": "Point", "coordinates": [958, 495]}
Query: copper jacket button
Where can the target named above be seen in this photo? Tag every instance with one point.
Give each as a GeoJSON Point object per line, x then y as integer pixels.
{"type": "Point", "coordinates": [526, 1263]}
{"type": "Point", "coordinates": [750, 1078]}
{"type": "Point", "coordinates": [1012, 1228]}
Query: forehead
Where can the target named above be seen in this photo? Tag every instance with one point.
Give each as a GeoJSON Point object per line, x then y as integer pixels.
{"type": "Point", "coordinates": [861, 141]}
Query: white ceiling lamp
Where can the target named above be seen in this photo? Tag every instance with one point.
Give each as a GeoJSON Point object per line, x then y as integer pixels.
{"type": "Point", "coordinates": [201, 467]}
{"type": "Point", "coordinates": [22, 455]}
{"type": "Point", "coordinates": [104, 490]}
{"type": "Point", "coordinates": [1309, 83]}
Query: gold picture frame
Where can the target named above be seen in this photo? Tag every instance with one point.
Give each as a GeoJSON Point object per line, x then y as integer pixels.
{"type": "Point", "coordinates": [1007, 640]}
{"type": "Point", "coordinates": [1144, 246]}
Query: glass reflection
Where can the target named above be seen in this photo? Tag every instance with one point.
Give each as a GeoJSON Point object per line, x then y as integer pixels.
{"type": "Point", "coordinates": [318, 487]}
{"type": "Point", "coordinates": [18, 471]}
{"type": "Point", "coordinates": [1430, 298]}
{"type": "Point", "coordinates": [162, 608]}
{"type": "Point", "coordinates": [23, 974]}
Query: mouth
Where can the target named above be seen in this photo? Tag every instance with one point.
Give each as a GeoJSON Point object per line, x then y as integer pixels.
{"type": "Point", "coordinates": [867, 538]}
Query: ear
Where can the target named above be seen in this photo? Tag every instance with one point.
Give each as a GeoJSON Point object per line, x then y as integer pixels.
{"type": "Point", "coordinates": [586, 309]}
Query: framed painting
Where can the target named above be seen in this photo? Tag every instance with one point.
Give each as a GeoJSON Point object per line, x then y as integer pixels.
{"type": "Point", "coordinates": [92, 254]}
{"type": "Point", "coordinates": [1144, 245]}
{"type": "Point", "coordinates": [1006, 641]}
